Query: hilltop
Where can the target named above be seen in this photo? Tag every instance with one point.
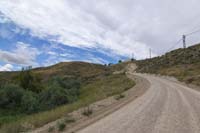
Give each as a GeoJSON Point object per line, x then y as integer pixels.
{"type": "Point", "coordinates": [81, 70]}
{"type": "Point", "coordinates": [183, 64]}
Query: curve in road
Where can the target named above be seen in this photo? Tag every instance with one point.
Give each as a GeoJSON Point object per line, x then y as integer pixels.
{"type": "Point", "coordinates": [167, 107]}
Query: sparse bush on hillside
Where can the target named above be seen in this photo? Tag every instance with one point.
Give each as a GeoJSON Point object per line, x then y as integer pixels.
{"type": "Point", "coordinates": [120, 61]}
{"type": "Point", "coordinates": [61, 126]}
{"type": "Point", "coordinates": [67, 83]}
{"type": "Point", "coordinates": [52, 97]}
{"type": "Point", "coordinates": [30, 102]}
{"type": "Point", "coordinates": [59, 92]}
{"type": "Point", "coordinates": [10, 96]}
{"type": "Point", "coordinates": [28, 81]}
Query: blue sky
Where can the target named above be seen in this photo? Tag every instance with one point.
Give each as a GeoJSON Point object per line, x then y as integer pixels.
{"type": "Point", "coordinates": [17, 42]}
{"type": "Point", "coordinates": [45, 32]}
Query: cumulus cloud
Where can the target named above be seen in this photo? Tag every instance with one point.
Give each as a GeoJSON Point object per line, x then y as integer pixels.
{"type": "Point", "coordinates": [23, 54]}
{"type": "Point", "coordinates": [122, 26]}
{"type": "Point", "coordinates": [7, 67]}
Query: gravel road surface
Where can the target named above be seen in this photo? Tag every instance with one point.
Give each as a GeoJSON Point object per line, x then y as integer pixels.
{"type": "Point", "coordinates": [166, 107]}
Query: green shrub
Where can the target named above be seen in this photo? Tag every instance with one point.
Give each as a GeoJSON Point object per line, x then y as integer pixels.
{"type": "Point", "coordinates": [61, 126]}
{"type": "Point", "coordinates": [30, 102]}
{"type": "Point", "coordinates": [59, 91]}
{"type": "Point", "coordinates": [10, 96]}
{"type": "Point", "coordinates": [29, 81]}
{"type": "Point", "coordinates": [67, 83]}
{"type": "Point", "coordinates": [52, 97]}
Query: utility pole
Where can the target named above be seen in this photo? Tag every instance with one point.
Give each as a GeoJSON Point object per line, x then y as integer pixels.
{"type": "Point", "coordinates": [184, 42]}
{"type": "Point", "coordinates": [133, 56]}
{"type": "Point", "coordinates": [184, 51]}
{"type": "Point", "coordinates": [150, 53]}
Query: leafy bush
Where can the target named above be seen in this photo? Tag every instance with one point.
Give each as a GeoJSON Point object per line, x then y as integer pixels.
{"type": "Point", "coordinates": [61, 126]}
{"type": "Point", "coordinates": [120, 61]}
{"type": "Point", "coordinates": [10, 96]}
{"type": "Point", "coordinates": [67, 83]}
{"type": "Point", "coordinates": [28, 81]}
{"type": "Point", "coordinates": [30, 102]}
{"type": "Point", "coordinates": [31, 96]}
{"type": "Point", "coordinates": [59, 92]}
{"type": "Point", "coordinates": [69, 87]}
{"type": "Point", "coordinates": [52, 97]}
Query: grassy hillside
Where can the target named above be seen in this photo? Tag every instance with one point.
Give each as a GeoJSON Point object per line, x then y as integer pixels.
{"type": "Point", "coordinates": [82, 70]}
{"type": "Point", "coordinates": [183, 64]}
{"type": "Point", "coordinates": [96, 82]}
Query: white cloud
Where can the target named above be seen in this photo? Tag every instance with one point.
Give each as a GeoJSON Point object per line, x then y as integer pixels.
{"type": "Point", "coordinates": [3, 19]}
{"type": "Point", "coordinates": [52, 53]}
{"type": "Point", "coordinates": [7, 67]}
{"type": "Point", "coordinates": [23, 54]}
{"type": "Point", "coordinates": [122, 26]}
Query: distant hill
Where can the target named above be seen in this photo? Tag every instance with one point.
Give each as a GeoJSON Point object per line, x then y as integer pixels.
{"type": "Point", "coordinates": [81, 70]}
{"type": "Point", "coordinates": [183, 64]}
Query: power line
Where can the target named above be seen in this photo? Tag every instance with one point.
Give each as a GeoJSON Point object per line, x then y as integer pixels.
{"type": "Point", "coordinates": [182, 39]}
{"type": "Point", "coordinates": [174, 45]}
{"type": "Point", "coordinates": [196, 31]}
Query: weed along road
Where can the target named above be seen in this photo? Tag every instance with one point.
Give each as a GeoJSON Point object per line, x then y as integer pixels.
{"type": "Point", "coordinates": [166, 107]}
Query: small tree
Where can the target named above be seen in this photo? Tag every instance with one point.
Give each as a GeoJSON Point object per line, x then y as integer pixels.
{"type": "Point", "coordinates": [120, 61]}
{"type": "Point", "coordinates": [132, 59]}
{"type": "Point", "coordinates": [25, 78]}
{"type": "Point", "coordinates": [28, 81]}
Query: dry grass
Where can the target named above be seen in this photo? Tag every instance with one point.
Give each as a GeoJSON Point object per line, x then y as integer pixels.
{"type": "Point", "coordinates": [184, 64]}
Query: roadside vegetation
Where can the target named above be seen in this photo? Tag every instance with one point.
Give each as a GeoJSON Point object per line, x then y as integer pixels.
{"type": "Point", "coordinates": [184, 64]}
{"type": "Point", "coordinates": [32, 98]}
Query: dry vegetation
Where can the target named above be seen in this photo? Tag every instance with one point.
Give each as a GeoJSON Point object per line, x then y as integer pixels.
{"type": "Point", "coordinates": [97, 82]}
{"type": "Point", "coordinates": [183, 64]}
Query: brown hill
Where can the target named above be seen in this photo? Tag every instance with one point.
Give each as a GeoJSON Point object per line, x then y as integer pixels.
{"type": "Point", "coordinates": [183, 64]}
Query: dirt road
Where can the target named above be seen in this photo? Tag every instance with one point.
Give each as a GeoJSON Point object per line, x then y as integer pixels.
{"type": "Point", "coordinates": [166, 107]}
